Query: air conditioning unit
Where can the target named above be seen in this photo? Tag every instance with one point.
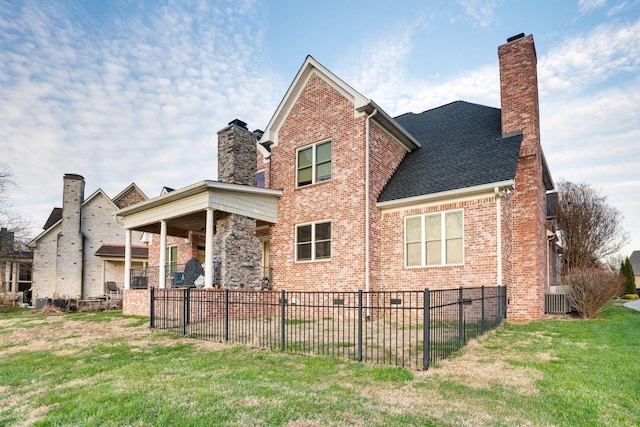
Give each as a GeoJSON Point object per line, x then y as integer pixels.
{"type": "Point", "coordinates": [556, 303]}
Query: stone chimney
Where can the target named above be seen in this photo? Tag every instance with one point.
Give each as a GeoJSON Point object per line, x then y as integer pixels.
{"type": "Point", "coordinates": [69, 261]}
{"type": "Point", "coordinates": [520, 113]}
{"type": "Point", "coordinates": [6, 241]}
{"type": "Point", "coordinates": [235, 244]}
{"type": "Point", "coordinates": [237, 154]}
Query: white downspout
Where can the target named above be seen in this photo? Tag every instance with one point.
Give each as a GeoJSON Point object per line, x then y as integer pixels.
{"type": "Point", "coordinates": [498, 234]}
{"type": "Point", "coordinates": [127, 259]}
{"type": "Point", "coordinates": [162, 268]}
{"type": "Point", "coordinates": [367, 279]}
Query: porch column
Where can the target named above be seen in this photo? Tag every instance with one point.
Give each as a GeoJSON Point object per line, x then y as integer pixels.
{"type": "Point", "coordinates": [7, 277]}
{"type": "Point", "coordinates": [127, 260]}
{"type": "Point", "coordinates": [163, 255]}
{"type": "Point", "coordinates": [208, 250]}
{"type": "Point", "coordinates": [16, 275]}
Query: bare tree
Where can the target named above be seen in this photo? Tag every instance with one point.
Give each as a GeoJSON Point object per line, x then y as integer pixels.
{"type": "Point", "coordinates": [9, 218]}
{"type": "Point", "coordinates": [591, 229]}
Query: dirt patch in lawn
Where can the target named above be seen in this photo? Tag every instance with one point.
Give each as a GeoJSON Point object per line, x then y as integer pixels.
{"type": "Point", "coordinates": [63, 335]}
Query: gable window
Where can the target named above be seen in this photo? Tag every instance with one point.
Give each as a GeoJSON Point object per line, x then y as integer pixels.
{"type": "Point", "coordinates": [313, 241]}
{"type": "Point", "coordinates": [313, 164]}
{"type": "Point", "coordinates": [434, 239]}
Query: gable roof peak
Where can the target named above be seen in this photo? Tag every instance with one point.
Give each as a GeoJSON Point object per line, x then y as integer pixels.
{"type": "Point", "coordinates": [361, 104]}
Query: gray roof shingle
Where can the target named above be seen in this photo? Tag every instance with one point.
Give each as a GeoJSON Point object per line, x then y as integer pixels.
{"type": "Point", "coordinates": [462, 146]}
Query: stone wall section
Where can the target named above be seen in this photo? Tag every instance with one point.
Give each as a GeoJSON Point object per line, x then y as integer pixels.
{"type": "Point", "coordinates": [235, 243]}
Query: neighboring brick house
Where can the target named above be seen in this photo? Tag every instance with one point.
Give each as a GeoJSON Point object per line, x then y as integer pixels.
{"type": "Point", "coordinates": [83, 244]}
{"type": "Point", "coordinates": [454, 196]}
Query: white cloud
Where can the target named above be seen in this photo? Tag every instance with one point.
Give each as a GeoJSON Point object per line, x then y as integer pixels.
{"type": "Point", "coordinates": [585, 6]}
{"type": "Point", "coordinates": [583, 60]}
{"type": "Point", "coordinates": [118, 101]}
{"type": "Point", "coordinates": [482, 12]}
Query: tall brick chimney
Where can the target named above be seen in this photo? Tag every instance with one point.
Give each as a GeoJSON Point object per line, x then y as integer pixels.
{"type": "Point", "coordinates": [235, 242]}
{"type": "Point", "coordinates": [69, 262]}
{"type": "Point", "coordinates": [520, 113]}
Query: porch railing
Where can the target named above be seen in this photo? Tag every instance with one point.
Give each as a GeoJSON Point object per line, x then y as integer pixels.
{"type": "Point", "coordinates": [143, 278]}
{"type": "Point", "coordinates": [404, 328]}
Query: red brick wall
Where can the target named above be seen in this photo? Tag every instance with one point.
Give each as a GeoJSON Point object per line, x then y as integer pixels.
{"type": "Point", "coordinates": [480, 249]}
{"type": "Point", "coordinates": [136, 302]}
{"type": "Point", "coordinates": [385, 156]}
{"type": "Point", "coordinates": [320, 113]}
{"type": "Point", "coordinates": [520, 112]}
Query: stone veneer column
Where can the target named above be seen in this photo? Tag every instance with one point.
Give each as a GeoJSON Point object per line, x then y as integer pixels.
{"type": "Point", "coordinates": [520, 112]}
{"type": "Point", "coordinates": [235, 243]}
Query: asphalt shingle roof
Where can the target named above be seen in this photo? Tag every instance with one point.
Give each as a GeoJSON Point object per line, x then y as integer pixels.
{"type": "Point", "coordinates": [462, 146]}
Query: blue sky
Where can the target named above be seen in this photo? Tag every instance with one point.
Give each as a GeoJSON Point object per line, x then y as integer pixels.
{"type": "Point", "coordinates": [135, 91]}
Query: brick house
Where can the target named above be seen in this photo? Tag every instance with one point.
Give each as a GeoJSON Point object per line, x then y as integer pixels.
{"type": "Point", "coordinates": [453, 196]}
{"type": "Point", "coordinates": [82, 246]}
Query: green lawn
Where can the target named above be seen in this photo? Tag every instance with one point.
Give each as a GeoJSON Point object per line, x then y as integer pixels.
{"type": "Point", "coordinates": [106, 369]}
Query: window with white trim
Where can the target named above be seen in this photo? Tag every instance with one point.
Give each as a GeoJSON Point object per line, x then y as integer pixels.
{"type": "Point", "coordinates": [313, 164]}
{"type": "Point", "coordinates": [313, 241]}
{"type": "Point", "coordinates": [434, 239]}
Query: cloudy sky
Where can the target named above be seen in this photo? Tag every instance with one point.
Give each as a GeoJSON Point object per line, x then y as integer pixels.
{"type": "Point", "coordinates": [128, 91]}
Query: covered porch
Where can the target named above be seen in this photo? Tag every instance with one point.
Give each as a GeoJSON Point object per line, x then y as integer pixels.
{"type": "Point", "coordinates": [223, 213]}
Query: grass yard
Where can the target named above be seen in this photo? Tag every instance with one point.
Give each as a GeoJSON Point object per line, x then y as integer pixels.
{"type": "Point", "coordinates": [107, 369]}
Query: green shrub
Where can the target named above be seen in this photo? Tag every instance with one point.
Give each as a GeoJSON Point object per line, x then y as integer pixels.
{"type": "Point", "coordinates": [590, 290]}
{"type": "Point", "coordinates": [626, 269]}
{"type": "Point", "coordinates": [630, 296]}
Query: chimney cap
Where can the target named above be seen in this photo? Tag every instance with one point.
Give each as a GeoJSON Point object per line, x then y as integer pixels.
{"type": "Point", "coordinates": [514, 38]}
{"type": "Point", "coordinates": [239, 123]}
{"type": "Point", "coordinates": [73, 176]}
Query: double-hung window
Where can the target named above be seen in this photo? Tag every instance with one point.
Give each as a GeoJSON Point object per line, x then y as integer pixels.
{"type": "Point", "coordinates": [313, 241]}
{"type": "Point", "coordinates": [313, 164]}
{"type": "Point", "coordinates": [434, 239]}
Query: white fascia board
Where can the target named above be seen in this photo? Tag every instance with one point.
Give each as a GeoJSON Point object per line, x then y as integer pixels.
{"type": "Point", "coordinates": [198, 187]}
{"type": "Point", "coordinates": [457, 194]}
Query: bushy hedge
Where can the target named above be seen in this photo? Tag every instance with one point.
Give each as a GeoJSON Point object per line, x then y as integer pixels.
{"type": "Point", "coordinates": [591, 289]}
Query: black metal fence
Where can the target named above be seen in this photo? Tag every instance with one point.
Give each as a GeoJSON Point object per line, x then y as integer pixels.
{"type": "Point", "coordinates": [413, 329]}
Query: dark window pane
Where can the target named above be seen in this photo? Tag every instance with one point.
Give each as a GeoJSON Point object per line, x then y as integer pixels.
{"type": "Point", "coordinates": [304, 252]}
{"type": "Point", "coordinates": [303, 233]}
{"type": "Point", "coordinates": [260, 179]}
{"type": "Point", "coordinates": [323, 250]}
{"type": "Point", "coordinates": [323, 231]}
